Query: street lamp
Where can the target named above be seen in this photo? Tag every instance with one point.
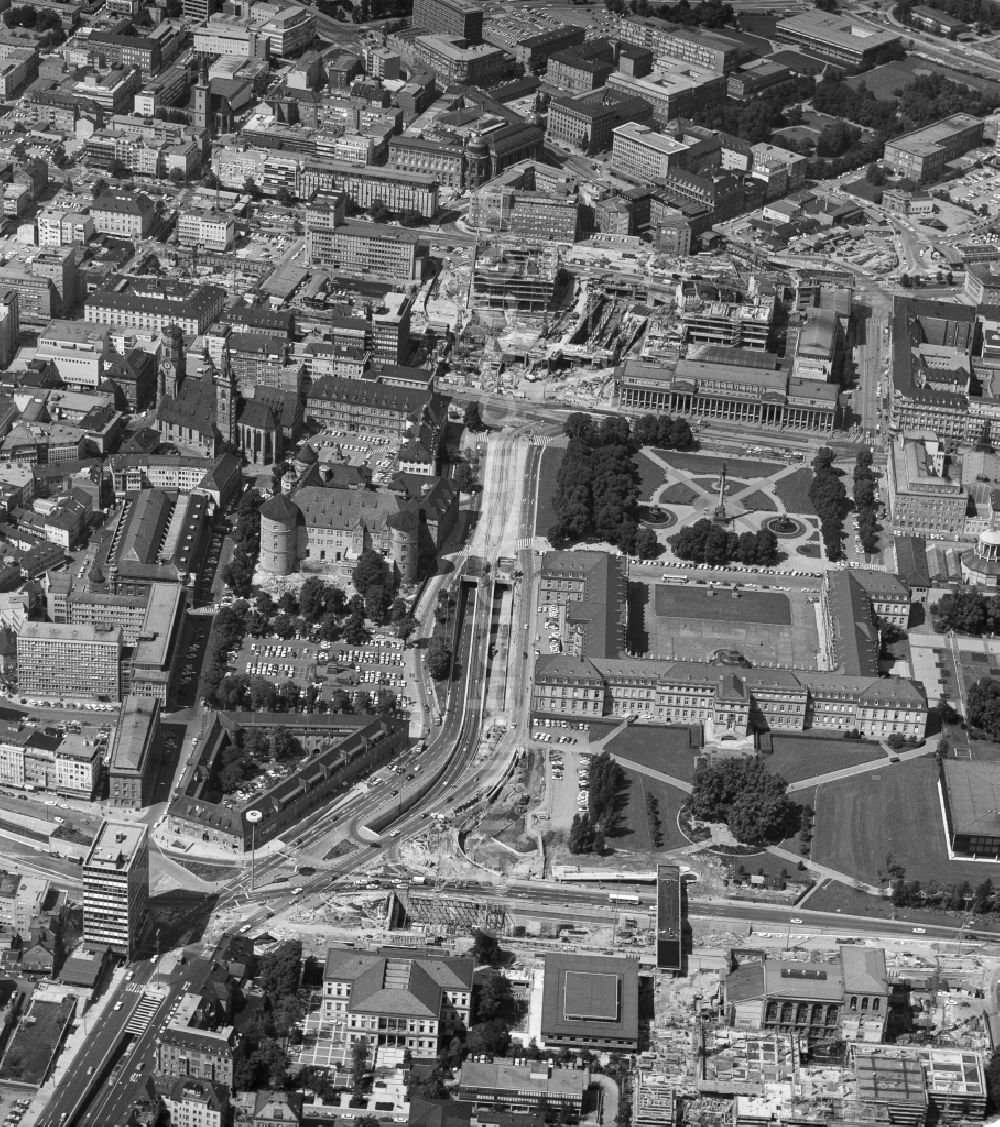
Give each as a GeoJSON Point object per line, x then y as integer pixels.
{"type": "Point", "coordinates": [253, 817]}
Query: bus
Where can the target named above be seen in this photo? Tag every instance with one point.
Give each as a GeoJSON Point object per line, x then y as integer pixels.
{"type": "Point", "coordinates": [623, 897]}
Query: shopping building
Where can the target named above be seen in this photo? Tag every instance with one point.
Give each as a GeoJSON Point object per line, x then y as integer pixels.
{"type": "Point", "coordinates": [116, 887]}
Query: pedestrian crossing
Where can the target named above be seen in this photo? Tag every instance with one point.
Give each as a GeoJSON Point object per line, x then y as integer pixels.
{"type": "Point", "coordinates": [525, 542]}
{"type": "Point", "coordinates": [143, 1014]}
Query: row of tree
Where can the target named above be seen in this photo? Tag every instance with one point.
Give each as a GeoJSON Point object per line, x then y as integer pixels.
{"type": "Point", "coordinates": [983, 705]}
{"type": "Point", "coordinates": [829, 498]}
{"type": "Point", "coordinates": [865, 501]}
{"type": "Point", "coordinates": [744, 795]}
{"type": "Point", "coordinates": [705, 541]}
{"type": "Point", "coordinates": [228, 631]}
{"type": "Point", "coordinates": [663, 431]}
{"type": "Point", "coordinates": [261, 1059]}
{"type": "Point", "coordinates": [597, 486]}
{"type": "Point", "coordinates": [238, 573]}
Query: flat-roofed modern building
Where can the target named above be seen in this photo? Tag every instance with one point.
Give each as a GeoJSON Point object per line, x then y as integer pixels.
{"type": "Point", "coordinates": [642, 154]}
{"type": "Point", "coordinates": [134, 748]}
{"type": "Point", "coordinates": [371, 250]}
{"type": "Point", "coordinates": [523, 1087]}
{"type": "Point", "coordinates": [922, 155]}
{"type": "Point", "coordinates": [835, 36]}
{"type": "Point", "coordinates": [450, 17]}
{"type": "Point", "coordinates": [58, 662]}
{"type": "Point", "coordinates": [590, 1002]}
{"type": "Point", "coordinates": [926, 494]}
{"type": "Point", "coordinates": [675, 91]}
{"type": "Point", "coordinates": [116, 887]}
{"type": "Point", "coordinates": [971, 799]}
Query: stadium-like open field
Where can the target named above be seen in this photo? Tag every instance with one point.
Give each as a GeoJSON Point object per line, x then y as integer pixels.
{"type": "Point", "coordinates": [767, 627]}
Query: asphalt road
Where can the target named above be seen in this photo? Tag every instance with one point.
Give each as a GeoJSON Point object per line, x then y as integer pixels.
{"type": "Point", "coordinates": [102, 1041]}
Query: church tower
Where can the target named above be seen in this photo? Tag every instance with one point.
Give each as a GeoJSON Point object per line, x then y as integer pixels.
{"type": "Point", "coordinates": [202, 97]}
{"type": "Point", "coordinates": [217, 346]}
{"type": "Point", "coordinates": [172, 362]}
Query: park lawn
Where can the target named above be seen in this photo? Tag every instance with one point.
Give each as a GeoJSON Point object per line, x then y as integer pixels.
{"type": "Point", "coordinates": [711, 464]}
{"type": "Point", "coordinates": [545, 513]}
{"type": "Point", "coordinates": [663, 749]}
{"type": "Point", "coordinates": [759, 502]}
{"type": "Point", "coordinates": [635, 821]}
{"type": "Point", "coordinates": [793, 492]}
{"type": "Point", "coordinates": [796, 758]}
{"type": "Point", "coordinates": [651, 475]}
{"type": "Point", "coordinates": [894, 811]}
{"type": "Point", "coordinates": [680, 493]}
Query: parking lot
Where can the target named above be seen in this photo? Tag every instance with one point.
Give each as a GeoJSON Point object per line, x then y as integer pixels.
{"type": "Point", "coordinates": [567, 752]}
{"type": "Point", "coordinates": [13, 1105]}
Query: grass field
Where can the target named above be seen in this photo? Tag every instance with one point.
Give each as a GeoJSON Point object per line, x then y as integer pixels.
{"type": "Point", "coordinates": [710, 464]}
{"type": "Point", "coordinates": [678, 494]}
{"type": "Point", "coordinates": [793, 492]}
{"type": "Point", "coordinates": [663, 749]}
{"type": "Point", "coordinates": [801, 757]}
{"type": "Point", "coordinates": [765, 607]}
{"type": "Point", "coordinates": [832, 896]}
{"type": "Point", "coordinates": [862, 820]}
{"type": "Point", "coordinates": [651, 475]}
{"type": "Point", "coordinates": [634, 818]}
{"type": "Point", "coordinates": [885, 80]}
{"type": "Point", "coordinates": [760, 502]}
{"type": "Point", "coordinates": [545, 514]}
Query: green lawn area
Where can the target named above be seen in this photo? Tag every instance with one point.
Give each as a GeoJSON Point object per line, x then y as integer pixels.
{"type": "Point", "coordinates": [664, 749]}
{"type": "Point", "coordinates": [634, 818]}
{"type": "Point", "coordinates": [711, 464]}
{"type": "Point", "coordinates": [651, 475]}
{"type": "Point", "coordinates": [832, 896]}
{"type": "Point", "coordinates": [801, 757]}
{"type": "Point", "coordinates": [545, 514]}
{"type": "Point", "coordinates": [895, 810]}
{"type": "Point", "coordinates": [793, 492]}
{"type": "Point", "coordinates": [760, 502]}
{"type": "Point", "coordinates": [27, 1057]}
{"type": "Point", "coordinates": [680, 493]}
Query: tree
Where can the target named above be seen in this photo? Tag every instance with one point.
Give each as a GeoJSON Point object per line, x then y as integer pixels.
{"type": "Point", "coordinates": [647, 547]}
{"type": "Point", "coordinates": [495, 997]}
{"type": "Point", "coordinates": [486, 950]}
{"type": "Point", "coordinates": [371, 570]}
{"type": "Point", "coordinates": [489, 1037]}
{"type": "Point", "coordinates": [473, 418]}
{"type": "Point", "coordinates": [377, 602]}
{"type": "Point", "coordinates": [464, 478]}
{"type": "Point", "coordinates": [312, 598]}
{"type": "Point", "coordinates": [875, 175]}
{"type": "Point", "coordinates": [355, 631]}
{"type": "Point", "coordinates": [438, 659]}
{"type": "Point", "coordinates": [581, 834]}
{"type": "Point", "coordinates": [742, 794]}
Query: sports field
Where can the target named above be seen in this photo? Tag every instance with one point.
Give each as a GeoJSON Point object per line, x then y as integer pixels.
{"type": "Point", "coordinates": [768, 628]}
{"type": "Point", "coordinates": [862, 820]}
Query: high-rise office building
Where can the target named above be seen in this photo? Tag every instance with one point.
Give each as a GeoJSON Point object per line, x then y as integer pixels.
{"type": "Point", "coordinates": [116, 887]}
{"type": "Point", "coordinates": [10, 327]}
{"type": "Point", "coordinates": [57, 661]}
{"type": "Point", "coordinates": [449, 17]}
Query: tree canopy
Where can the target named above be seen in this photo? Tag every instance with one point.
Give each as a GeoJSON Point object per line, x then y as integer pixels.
{"type": "Point", "coordinates": [968, 611]}
{"type": "Point", "coordinates": [983, 703]}
{"type": "Point", "coordinates": [705, 541]}
{"type": "Point", "coordinates": [743, 794]}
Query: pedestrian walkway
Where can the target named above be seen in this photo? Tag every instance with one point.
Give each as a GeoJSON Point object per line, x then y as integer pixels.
{"type": "Point", "coordinates": [652, 773]}
{"type": "Point", "coordinates": [857, 769]}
